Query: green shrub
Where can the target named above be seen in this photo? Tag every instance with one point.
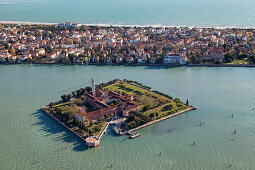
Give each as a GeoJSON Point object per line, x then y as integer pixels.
{"type": "Point", "coordinates": [167, 107]}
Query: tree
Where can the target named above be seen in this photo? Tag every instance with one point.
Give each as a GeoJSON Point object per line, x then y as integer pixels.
{"type": "Point", "coordinates": [157, 114]}
{"type": "Point", "coordinates": [177, 100]}
{"type": "Point", "coordinates": [70, 41]}
{"type": "Point", "coordinates": [167, 107]}
{"type": "Point", "coordinates": [145, 108]}
{"type": "Point", "coordinates": [187, 102]}
{"type": "Point", "coordinates": [194, 60]}
{"type": "Point", "coordinates": [12, 51]}
{"type": "Point", "coordinates": [69, 96]}
{"type": "Point", "coordinates": [88, 89]}
{"type": "Point", "coordinates": [64, 97]}
{"type": "Point", "coordinates": [252, 59]}
{"type": "Point", "coordinates": [152, 115]}
{"type": "Point", "coordinates": [51, 104]}
{"type": "Point", "coordinates": [229, 57]}
{"type": "Point", "coordinates": [123, 93]}
{"type": "Point", "coordinates": [96, 129]}
{"type": "Point", "coordinates": [106, 116]}
{"type": "Point", "coordinates": [74, 94]}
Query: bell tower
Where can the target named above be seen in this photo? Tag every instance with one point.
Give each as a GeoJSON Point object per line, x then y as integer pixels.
{"type": "Point", "coordinates": [93, 88]}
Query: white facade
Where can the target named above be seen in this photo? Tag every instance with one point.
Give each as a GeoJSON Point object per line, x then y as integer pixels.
{"type": "Point", "coordinates": [142, 60]}
{"type": "Point", "coordinates": [1, 59]}
{"type": "Point", "coordinates": [175, 59]}
{"type": "Point", "coordinates": [79, 118]}
{"type": "Point", "coordinates": [69, 25]}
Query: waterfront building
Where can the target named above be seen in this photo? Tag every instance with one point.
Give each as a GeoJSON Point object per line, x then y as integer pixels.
{"type": "Point", "coordinates": [69, 25]}
{"type": "Point", "coordinates": [105, 103]}
{"type": "Point", "coordinates": [172, 58]}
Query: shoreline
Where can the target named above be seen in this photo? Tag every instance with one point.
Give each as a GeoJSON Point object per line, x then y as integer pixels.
{"type": "Point", "coordinates": [137, 65]}
{"type": "Point", "coordinates": [128, 25]}
{"type": "Point", "coordinates": [97, 138]}
{"type": "Point", "coordinates": [43, 109]}
{"type": "Point", "coordinates": [160, 120]}
{"type": "Point", "coordinates": [101, 134]}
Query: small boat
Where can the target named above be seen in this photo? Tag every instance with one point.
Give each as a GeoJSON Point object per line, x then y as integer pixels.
{"type": "Point", "coordinates": [134, 136]}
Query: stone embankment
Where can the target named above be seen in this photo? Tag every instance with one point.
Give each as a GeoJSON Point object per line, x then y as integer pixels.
{"type": "Point", "coordinates": [221, 65]}
{"type": "Point", "coordinates": [90, 141]}
{"type": "Point", "coordinates": [44, 110]}
{"type": "Point", "coordinates": [161, 119]}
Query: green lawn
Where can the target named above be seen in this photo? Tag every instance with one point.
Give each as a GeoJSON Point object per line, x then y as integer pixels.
{"type": "Point", "coordinates": [149, 102]}
{"type": "Point", "coordinates": [61, 105]}
{"type": "Point", "coordinates": [101, 126]}
{"type": "Point", "coordinates": [152, 106]}
{"type": "Point", "coordinates": [127, 88]}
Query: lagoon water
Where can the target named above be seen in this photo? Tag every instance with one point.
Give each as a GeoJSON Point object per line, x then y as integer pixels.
{"type": "Point", "coordinates": [31, 139]}
{"type": "Point", "coordinates": [209, 13]}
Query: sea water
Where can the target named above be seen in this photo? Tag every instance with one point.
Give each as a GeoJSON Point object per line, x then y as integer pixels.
{"type": "Point", "coordinates": [30, 139]}
{"type": "Point", "coordinates": [199, 13]}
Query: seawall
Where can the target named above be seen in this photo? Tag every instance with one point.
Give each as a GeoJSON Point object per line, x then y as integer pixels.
{"type": "Point", "coordinates": [43, 109]}
{"type": "Point", "coordinates": [161, 119]}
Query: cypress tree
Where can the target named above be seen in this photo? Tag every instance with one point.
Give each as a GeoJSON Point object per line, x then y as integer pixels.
{"type": "Point", "coordinates": [187, 102]}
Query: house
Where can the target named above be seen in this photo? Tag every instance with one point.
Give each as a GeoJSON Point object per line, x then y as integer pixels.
{"type": "Point", "coordinates": [41, 51]}
{"type": "Point", "coordinates": [22, 59]}
{"type": "Point", "coordinates": [108, 60]}
{"type": "Point", "coordinates": [119, 59]}
{"type": "Point", "coordinates": [69, 25]}
{"type": "Point", "coordinates": [140, 50]}
{"type": "Point", "coordinates": [70, 51]}
{"type": "Point", "coordinates": [4, 52]}
{"type": "Point", "coordinates": [153, 60]}
{"type": "Point", "coordinates": [159, 51]}
{"type": "Point", "coordinates": [95, 59]}
{"type": "Point", "coordinates": [54, 54]}
{"type": "Point", "coordinates": [172, 58]}
{"type": "Point", "coordinates": [1, 60]}
{"type": "Point", "coordinates": [130, 60]}
{"type": "Point", "coordinates": [142, 60]}
{"type": "Point", "coordinates": [216, 54]}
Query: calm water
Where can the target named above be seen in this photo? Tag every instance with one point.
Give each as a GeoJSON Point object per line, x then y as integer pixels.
{"type": "Point", "coordinates": [31, 140]}
{"type": "Point", "coordinates": [133, 12]}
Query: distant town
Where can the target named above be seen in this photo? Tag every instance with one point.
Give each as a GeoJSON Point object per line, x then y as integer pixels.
{"type": "Point", "coordinates": [73, 43]}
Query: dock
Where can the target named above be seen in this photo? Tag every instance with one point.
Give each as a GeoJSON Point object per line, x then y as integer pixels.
{"type": "Point", "coordinates": [134, 136]}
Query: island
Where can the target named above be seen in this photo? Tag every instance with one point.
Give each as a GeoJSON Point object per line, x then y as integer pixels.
{"type": "Point", "coordinates": [125, 104]}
